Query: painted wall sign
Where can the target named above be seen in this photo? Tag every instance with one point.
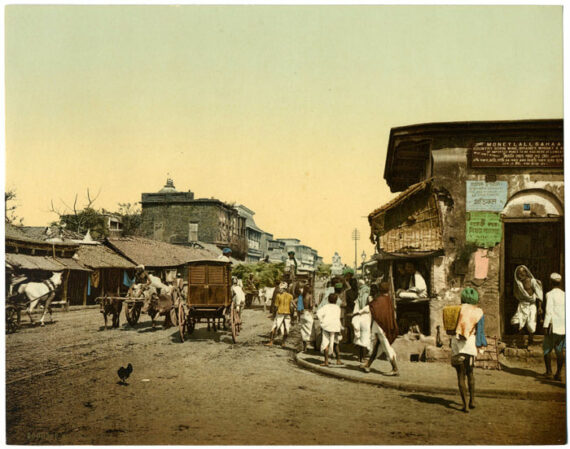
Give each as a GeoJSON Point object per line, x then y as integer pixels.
{"type": "Point", "coordinates": [486, 196]}
{"type": "Point", "coordinates": [547, 154]}
{"type": "Point", "coordinates": [483, 229]}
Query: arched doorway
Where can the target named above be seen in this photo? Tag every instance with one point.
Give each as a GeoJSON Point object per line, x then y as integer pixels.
{"type": "Point", "coordinates": [533, 235]}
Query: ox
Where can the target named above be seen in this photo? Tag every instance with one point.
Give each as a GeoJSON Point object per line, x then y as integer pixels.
{"type": "Point", "coordinates": [111, 307]}
{"type": "Point", "coordinates": [155, 304]}
{"type": "Point", "coordinates": [41, 291]}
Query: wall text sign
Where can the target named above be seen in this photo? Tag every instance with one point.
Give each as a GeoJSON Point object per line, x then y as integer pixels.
{"type": "Point", "coordinates": [547, 154]}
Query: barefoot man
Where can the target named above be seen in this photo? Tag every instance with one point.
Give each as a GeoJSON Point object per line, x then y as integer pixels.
{"type": "Point", "coordinates": [329, 317]}
{"type": "Point", "coordinates": [283, 315]}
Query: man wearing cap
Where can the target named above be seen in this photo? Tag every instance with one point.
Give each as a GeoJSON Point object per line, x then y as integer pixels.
{"type": "Point", "coordinates": [283, 302]}
{"type": "Point", "coordinates": [226, 254]}
{"type": "Point", "coordinates": [554, 327]}
{"type": "Point", "coordinates": [291, 267]}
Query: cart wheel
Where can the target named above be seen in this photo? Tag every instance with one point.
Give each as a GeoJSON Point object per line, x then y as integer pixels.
{"type": "Point", "coordinates": [233, 322]}
{"type": "Point", "coordinates": [181, 321]}
{"type": "Point", "coordinates": [12, 319]}
{"type": "Point", "coordinates": [132, 312]}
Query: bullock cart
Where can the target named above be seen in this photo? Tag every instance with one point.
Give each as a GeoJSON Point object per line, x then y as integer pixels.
{"type": "Point", "coordinates": [208, 297]}
{"type": "Point", "coordinates": [112, 305]}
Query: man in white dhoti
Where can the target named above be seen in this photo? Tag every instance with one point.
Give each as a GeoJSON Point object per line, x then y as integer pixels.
{"type": "Point", "coordinates": [305, 300]}
{"type": "Point", "coordinates": [361, 320]}
{"type": "Point", "coordinates": [238, 295]}
{"type": "Point", "coordinates": [329, 317]}
{"type": "Point", "coordinates": [528, 292]}
{"type": "Point", "coordinates": [282, 319]}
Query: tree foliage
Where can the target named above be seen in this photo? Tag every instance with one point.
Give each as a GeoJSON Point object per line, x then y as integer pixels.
{"type": "Point", "coordinates": [131, 217]}
{"type": "Point", "coordinates": [264, 274]}
{"type": "Point", "coordinates": [324, 270]}
{"type": "Point", "coordinates": [10, 207]}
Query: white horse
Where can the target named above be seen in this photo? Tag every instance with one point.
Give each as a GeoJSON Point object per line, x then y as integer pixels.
{"type": "Point", "coordinates": [44, 291]}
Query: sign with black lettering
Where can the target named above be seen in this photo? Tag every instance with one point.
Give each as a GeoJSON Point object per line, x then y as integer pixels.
{"type": "Point", "coordinates": [546, 154]}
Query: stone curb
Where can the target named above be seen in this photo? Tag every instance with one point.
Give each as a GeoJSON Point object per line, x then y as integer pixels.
{"type": "Point", "coordinates": [407, 386]}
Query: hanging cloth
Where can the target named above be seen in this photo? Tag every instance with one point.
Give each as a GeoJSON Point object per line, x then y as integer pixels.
{"type": "Point", "coordinates": [88, 285]}
{"type": "Point", "coordinates": [96, 278]}
{"type": "Point", "coordinates": [126, 280]}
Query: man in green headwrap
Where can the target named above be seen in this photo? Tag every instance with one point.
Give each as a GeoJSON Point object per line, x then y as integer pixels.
{"type": "Point", "coordinates": [469, 335]}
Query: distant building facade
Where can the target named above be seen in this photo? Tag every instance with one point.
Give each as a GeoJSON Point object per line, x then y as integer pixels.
{"type": "Point", "coordinates": [177, 217]}
{"type": "Point", "coordinates": [307, 257]}
{"type": "Point", "coordinates": [253, 235]}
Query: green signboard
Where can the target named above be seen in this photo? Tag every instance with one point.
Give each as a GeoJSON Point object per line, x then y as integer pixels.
{"type": "Point", "coordinates": [483, 229]}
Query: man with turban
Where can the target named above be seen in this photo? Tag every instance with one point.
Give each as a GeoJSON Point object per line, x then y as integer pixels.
{"type": "Point", "coordinates": [283, 302]}
{"type": "Point", "coordinates": [469, 335]}
{"type": "Point", "coordinates": [554, 327]}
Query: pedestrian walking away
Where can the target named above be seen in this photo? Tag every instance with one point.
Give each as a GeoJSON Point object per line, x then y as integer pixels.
{"type": "Point", "coordinates": [361, 321]}
{"type": "Point", "coordinates": [283, 314]}
{"type": "Point", "coordinates": [469, 335]}
{"type": "Point", "coordinates": [554, 327]}
{"type": "Point", "coordinates": [306, 315]}
{"type": "Point", "coordinates": [384, 328]}
{"type": "Point", "coordinates": [329, 317]}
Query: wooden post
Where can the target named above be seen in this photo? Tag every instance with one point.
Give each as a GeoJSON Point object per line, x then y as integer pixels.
{"type": "Point", "coordinates": [65, 300]}
{"type": "Point", "coordinates": [85, 291]}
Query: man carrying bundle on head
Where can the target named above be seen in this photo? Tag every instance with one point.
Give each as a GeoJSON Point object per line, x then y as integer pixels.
{"type": "Point", "coordinates": [469, 335]}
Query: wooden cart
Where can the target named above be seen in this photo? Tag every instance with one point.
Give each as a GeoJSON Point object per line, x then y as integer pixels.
{"type": "Point", "coordinates": [208, 296]}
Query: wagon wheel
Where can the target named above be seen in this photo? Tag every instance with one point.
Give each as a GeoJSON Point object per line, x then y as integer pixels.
{"type": "Point", "coordinates": [132, 312]}
{"type": "Point", "coordinates": [12, 319]}
{"type": "Point", "coordinates": [181, 320]}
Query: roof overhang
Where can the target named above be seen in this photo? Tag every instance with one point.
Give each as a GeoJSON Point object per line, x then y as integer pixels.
{"type": "Point", "coordinates": [409, 146]}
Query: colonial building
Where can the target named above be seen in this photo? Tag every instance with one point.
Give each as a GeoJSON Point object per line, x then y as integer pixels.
{"type": "Point", "coordinates": [253, 235]}
{"type": "Point", "coordinates": [478, 199]}
{"type": "Point", "coordinates": [177, 217]}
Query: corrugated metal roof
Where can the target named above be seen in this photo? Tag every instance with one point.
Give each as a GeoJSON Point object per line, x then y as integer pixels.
{"type": "Point", "coordinates": [44, 263]}
{"type": "Point", "coordinates": [99, 256]}
{"type": "Point", "coordinates": [153, 253]}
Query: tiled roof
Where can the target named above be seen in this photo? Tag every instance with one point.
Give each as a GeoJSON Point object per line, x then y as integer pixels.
{"type": "Point", "coordinates": [99, 256]}
{"type": "Point", "coordinates": [153, 253]}
{"type": "Point", "coordinates": [45, 263]}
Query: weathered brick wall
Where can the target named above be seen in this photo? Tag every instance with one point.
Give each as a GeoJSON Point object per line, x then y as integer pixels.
{"type": "Point", "coordinates": [175, 219]}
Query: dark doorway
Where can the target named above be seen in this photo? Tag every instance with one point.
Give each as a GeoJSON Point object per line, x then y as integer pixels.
{"type": "Point", "coordinates": [538, 246]}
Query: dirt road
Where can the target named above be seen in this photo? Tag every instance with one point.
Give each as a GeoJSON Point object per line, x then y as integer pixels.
{"type": "Point", "coordinates": [61, 387]}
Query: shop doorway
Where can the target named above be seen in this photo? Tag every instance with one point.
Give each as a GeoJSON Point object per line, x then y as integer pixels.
{"type": "Point", "coordinates": [539, 246]}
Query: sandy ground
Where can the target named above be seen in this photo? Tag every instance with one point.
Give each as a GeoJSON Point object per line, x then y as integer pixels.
{"type": "Point", "coordinates": [61, 387]}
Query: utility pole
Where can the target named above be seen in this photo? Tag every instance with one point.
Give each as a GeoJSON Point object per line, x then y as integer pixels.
{"type": "Point", "coordinates": [356, 238]}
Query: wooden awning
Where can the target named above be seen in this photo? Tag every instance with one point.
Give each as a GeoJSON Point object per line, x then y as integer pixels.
{"type": "Point", "coordinates": [408, 224]}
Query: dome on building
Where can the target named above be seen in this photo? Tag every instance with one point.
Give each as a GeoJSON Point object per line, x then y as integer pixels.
{"type": "Point", "coordinates": [168, 187]}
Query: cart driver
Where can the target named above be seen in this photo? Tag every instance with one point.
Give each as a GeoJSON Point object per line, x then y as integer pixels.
{"type": "Point", "coordinates": [226, 254]}
{"type": "Point", "coordinates": [238, 296]}
{"type": "Point", "coordinates": [291, 267]}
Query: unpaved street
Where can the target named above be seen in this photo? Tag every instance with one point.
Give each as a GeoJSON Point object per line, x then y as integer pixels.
{"type": "Point", "coordinates": [62, 389]}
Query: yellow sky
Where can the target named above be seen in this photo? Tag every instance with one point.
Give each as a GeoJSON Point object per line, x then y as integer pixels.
{"type": "Point", "coordinates": [284, 109]}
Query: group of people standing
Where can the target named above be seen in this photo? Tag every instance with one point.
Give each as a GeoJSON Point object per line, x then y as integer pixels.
{"type": "Point", "coordinates": [349, 310]}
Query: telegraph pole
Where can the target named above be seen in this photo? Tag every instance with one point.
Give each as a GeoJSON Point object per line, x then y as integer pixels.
{"type": "Point", "coordinates": [356, 238]}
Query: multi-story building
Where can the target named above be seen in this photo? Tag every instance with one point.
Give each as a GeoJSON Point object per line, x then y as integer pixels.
{"type": "Point", "coordinates": [307, 257]}
{"type": "Point", "coordinates": [177, 217]}
{"type": "Point", "coordinates": [252, 233]}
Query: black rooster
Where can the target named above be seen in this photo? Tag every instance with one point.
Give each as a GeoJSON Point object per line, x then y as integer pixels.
{"type": "Point", "coordinates": [124, 373]}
